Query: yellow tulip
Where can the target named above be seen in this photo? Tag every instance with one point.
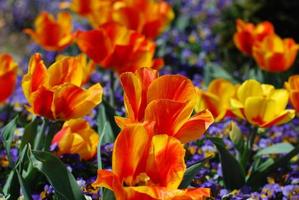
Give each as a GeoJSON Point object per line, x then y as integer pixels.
{"type": "Point", "coordinates": [261, 104]}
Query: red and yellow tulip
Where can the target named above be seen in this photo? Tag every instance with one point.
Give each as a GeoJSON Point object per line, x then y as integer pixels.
{"type": "Point", "coordinates": [77, 137]}
{"type": "Point", "coordinates": [293, 87]}
{"type": "Point", "coordinates": [114, 46]}
{"type": "Point", "coordinates": [217, 98]}
{"type": "Point", "coordinates": [147, 167]}
{"type": "Point", "coordinates": [168, 101]}
{"type": "Point", "coordinates": [261, 104]}
{"type": "Point", "coordinates": [146, 17]}
{"type": "Point", "coordinates": [8, 76]}
{"type": "Point", "coordinates": [274, 54]}
{"type": "Point", "coordinates": [247, 34]}
{"type": "Point", "coordinates": [52, 34]}
{"type": "Point", "coordinates": [56, 92]}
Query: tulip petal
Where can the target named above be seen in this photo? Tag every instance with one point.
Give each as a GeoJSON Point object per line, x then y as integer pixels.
{"type": "Point", "coordinates": [262, 112]}
{"type": "Point", "coordinates": [169, 116]}
{"type": "Point", "coordinates": [283, 118]}
{"type": "Point", "coordinates": [195, 127]}
{"type": "Point", "coordinates": [66, 70]}
{"type": "Point", "coordinates": [109, 180]}
{"type": "Point", "coordinates": [71, 101]}
{"type": "Point", "coordinates": [132, 142]}
{"type": "Point", "coordinates": [165, 162]}
{"type": "Point", "coordinates": [172, 87]}
{"type": "Point", "coordinates": [95, 44]}
{"type": "Point", "coordinates": [36, 77]}
{"type": "Point", "coordinates": [41, 101]}
{"type": "Point", "coordinates": [248, 89]}
{"type": "Point", "coordinates": [133, 94]}
{"type": "Point", "coordinates": [294, 98]}
{"type": "Point", "coordinates": [7, 84]}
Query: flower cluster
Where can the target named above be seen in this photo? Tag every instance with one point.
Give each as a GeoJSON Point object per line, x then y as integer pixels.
{"type": "Point", "coordinates": [272, 53]}
{"type": "Point", "coordinates": [103, 118]}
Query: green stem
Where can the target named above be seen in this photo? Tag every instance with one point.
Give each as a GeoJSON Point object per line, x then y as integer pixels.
{"type": "Point", "coordinates": [112, 95]}
{"type": "Point", "coordinates": [248, 152]}
{"type": "Point", "coordinates": [40, 135]}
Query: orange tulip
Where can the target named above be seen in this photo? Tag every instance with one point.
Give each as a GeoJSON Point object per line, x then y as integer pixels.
{"type": "Point", "coordinates": [147, 17]}
{"type": "Point", "coordinates": [114, 46]}
{"type": "Point", "coordinates": [168, 101]}
{"type": "Point", "coordinates": [8, 76]}
{"type": "Point", "coordinates": [261, 104]}
{"type": "Point", "coordinates": [274, 54]}
{"type": "Point", "coordinates": [51, 34]}
{"type": "Point", "coordinates": [293, 87]}
{"type": "Point", "coordinates": [217, 98]}
{"type": "Point", "coordinates": [56, 92]}
{"type": "Point", "coordinates": [247, 34]}
{"type": "Point", "coordinates": [146, 167]}
{"type": "Point", "coordinates": [77, 137]}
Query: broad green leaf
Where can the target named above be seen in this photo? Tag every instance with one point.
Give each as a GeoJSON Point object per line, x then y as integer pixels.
{"type": "Point", "coordinates": [275, 149]}
{"type": "Point", "coordinates": [57, 174]}
{"type": "Point", "coordinates": [233, 173]}
{"type": "Point", "coordinates": [190, 174]}
{"type": "Point", "coordinates": [258, 178]}
{"type": "Point", "coordinates": [7, 134]}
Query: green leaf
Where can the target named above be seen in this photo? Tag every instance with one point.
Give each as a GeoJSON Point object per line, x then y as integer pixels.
{"type": "Point", "coordinates": [236, 136]}
{"type": "Point", "coordinates": [24, 186]}
{"type": "Point", "coordinates": [29, 133]}
{"type": "Point", "coordinates": [190, 173]}
{"type": "Point", "coordinates": [104, 125]}
{"type": "Point", "coordinates": [12, 186]}
{"type": "Point", "coordinates": [7, 134]}
{"type": "Point", "coordinates": [57, 174]}
{"type": "Point", "coordinates": [275, 149]}
{"type": "Point", "coordinates": [258, 178]}
{"type": "Point", "coordinates": [233, 173]}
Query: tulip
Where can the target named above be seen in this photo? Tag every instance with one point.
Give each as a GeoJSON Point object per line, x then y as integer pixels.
{"type": "Point", "coordinates": [293, 87]}
{"type": "Point", "coordinates": [56, 92]}
{"type": "Point", "coordinates": [114, 46]}
{"type": "Point", "coordinates": [51, 34]}
{"type": "Point", "coordinates": [149, 18]}
{"type": "Point", "coordinates": [261, 104]}
{"type": "Point", "coordinates": [147, 167]}
{"type": "Point", "coordinates": [217, 98]}
{"type": "Point", "coordinates": [274, 54]}
{"type": "Point", "coordinates": [247, 34]}
{"type": "Point", "coordinates": [167, 101]}
{"type": "Point", "coordinates": [8, 76]}
{"type": "Point", "coordinates": [77, 137]}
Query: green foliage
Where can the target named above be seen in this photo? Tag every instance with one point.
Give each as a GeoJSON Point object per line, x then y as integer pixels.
{"type": "Point", "coordinates": [7, 134]}
{"type": "Point", "coordinates": [57, 174]}
{"type": "Point", "coordinates": [233, 172]}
